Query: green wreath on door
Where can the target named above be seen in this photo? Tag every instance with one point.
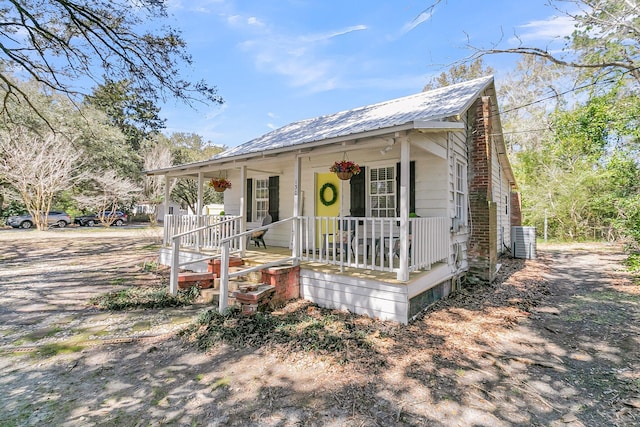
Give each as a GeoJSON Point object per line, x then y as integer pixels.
{"type": "Point", "coordinates": [334, 194]}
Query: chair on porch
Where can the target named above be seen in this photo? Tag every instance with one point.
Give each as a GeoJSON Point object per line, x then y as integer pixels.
{"type": "Point", "coordinates": [257, 237]}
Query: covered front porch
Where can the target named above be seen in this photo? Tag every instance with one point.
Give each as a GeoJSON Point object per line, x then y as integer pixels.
{"type": "Point", "coordinates": [345, 262]}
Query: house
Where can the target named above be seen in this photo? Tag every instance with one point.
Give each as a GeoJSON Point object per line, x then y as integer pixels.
{"type": "Point", "coordinates": [434, 201]}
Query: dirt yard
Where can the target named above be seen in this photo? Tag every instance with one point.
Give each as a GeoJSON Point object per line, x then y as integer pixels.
{"type": "Point", "coordinates": [553, 342]}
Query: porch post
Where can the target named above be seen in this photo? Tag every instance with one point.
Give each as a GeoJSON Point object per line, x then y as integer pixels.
{"type": "Point", "coordinates": [243, 207]}
{"type": "Point", "coordinates": [198, 213]}
{"type": "Point", "coordinates": [405, 153]}
{"type": "Point", "coordinates": [200, 194]}
{"type": "Point", "coordinates": [296, 211]}
{"type": "Point", "coordinates": [167, 194]}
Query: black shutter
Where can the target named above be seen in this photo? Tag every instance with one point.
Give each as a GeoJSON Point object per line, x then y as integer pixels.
{"type": "Point", "coordinates": [249, 201]}
{"type": "Point", "coordinates": [412, 187]}
{"type": "Point", "coordinates": [359, 193]}
{"type": "Point", "coordinates": [274, 197]}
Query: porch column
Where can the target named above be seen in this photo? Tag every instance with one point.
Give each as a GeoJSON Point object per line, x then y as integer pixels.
{"type": "Point", "coordinates": [198, 213]}
{"type": "Point", "coordinates": [200, 193]}
{"type": "Point", "coordinates": [405, 154]}
{"type": "Point", "coordinates": [167, 194]}
{"type": "Point", "coordinates": [243, 207]}
{"type": "Point", "coordinates": [297, 167]}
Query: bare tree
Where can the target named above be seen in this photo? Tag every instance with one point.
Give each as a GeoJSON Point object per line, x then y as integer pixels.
{"type": "Point", "coordinates": [158, 156]}
{"type": "Point", "coordinates": [38, 167]}
{"type": "Point", "coordinates": [61, 42]}
{"type": "Point", "coordinates": [605, 40]}
{"type": "Point", "coordinates": [107, 192]}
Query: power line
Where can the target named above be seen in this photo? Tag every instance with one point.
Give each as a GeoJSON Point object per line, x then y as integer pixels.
{"type": "Point", "coordinates": [610, 80]}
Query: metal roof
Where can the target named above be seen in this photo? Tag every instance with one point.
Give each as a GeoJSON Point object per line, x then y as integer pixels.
{"type": "Point", "coordinates": [435, 104]}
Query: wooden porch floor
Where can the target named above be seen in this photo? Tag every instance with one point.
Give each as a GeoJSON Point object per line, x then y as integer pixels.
{"type": "Point", "coordinates": [255, 256]}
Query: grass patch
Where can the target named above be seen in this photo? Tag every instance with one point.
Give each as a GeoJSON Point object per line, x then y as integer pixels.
{"type": "Point", "coordinates": [50, 350]}
{"type": "Point", "coordinates": [633, 265]}
{"type": "Point", "coordinates": [308, 328]}
{"type": "Point", "coordinates": [39, 334]}
{"type": "Point", "coordinates": [141, 326]}
{"type": "Point", "coordinates": [222, 382]}
{"type": "Point", "coordinates": [145, 297]}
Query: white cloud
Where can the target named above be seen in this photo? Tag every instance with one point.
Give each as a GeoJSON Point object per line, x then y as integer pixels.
{"type": "Point", "coordinates": [252, 20]}
{"type": "Point", "coordinates": [424, 16]}
{"type": "Point", "coordinates": [329, 35]}
{"type": "Point", "coordinates": [200, 6]}
{"type": "Point", "coordinates": [272, 115]}
{"type": "Point", "coordinates": [554, 27]}
{"type": "Point", "coordinates": [234, 19]}
{"type": "Point", "coordinates": [299, 58]}
{"type": "Point", "coordinates": [271, 126]}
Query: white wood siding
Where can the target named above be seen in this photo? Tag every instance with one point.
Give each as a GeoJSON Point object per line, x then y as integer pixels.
{"type": "Point", "coordinates": [501, 193]}
{"type": "Point", "coordinates": [382, 300]}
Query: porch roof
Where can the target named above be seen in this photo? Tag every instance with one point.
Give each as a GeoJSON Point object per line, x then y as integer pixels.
{"type": "Point", "coordinates": [425, 110]}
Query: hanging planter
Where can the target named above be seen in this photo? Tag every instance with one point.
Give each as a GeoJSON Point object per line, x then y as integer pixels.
{"type": "Point", "coordinates": [219, 184]}
{"type": "Point", "coordinates": [345, 169]}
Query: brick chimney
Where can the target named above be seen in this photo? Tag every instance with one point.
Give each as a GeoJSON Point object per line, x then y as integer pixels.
{"type": "Point", "coordinates": [482, 251]}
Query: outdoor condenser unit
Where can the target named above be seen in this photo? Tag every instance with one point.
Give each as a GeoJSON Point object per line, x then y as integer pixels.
{"type": "Point", "coordinates": [523, 242]}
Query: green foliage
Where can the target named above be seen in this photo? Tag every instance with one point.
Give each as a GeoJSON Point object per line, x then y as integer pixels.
{"type": "Point", "coordinates": [584, 177]}
{"type": "Point", "coordinates": [187, 148]}
{"type": "Point", "coordinates": [127, 108]}
{"type": "Point", "coordinates": [145, 297]}
{"type": "Point", "coordinates": [633, 262]}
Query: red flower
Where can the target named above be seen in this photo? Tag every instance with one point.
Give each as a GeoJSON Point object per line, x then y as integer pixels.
{"type": "Point", "coordinates": [220, 183]}
{"type": "Point", "coordinates": [345, 166]}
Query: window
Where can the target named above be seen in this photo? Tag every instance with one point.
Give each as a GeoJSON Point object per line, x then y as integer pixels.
{"type": "Point", "coordinates": [262, 198]}
{"type": "Point", "coordinates": [460, 189]}
{"type": "Point", "coordinates": [382, 185]}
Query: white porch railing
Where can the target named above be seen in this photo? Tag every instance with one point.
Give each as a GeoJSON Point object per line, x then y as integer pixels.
{"type": "Point", "coordinates": [214, 228]}
{"type": "Point", "coordinates": [373, 243]}
{"type": "Point", "coordinates": [363, 243]}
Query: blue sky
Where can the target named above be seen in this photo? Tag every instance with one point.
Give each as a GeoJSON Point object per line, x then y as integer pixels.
{"type": "Point", "coordinates": [279, 61]}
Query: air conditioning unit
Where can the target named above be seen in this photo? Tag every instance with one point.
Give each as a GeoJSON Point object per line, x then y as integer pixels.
{"type": "Point", "coordinates": [523, 242]}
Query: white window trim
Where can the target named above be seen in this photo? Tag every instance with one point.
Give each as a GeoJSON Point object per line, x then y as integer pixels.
{"type": "Point", "coordinates": [379, 165]}
{"type": "Point", "coordinates": [460, 194]}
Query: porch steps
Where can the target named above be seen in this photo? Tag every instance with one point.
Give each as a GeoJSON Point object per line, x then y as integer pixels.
{"type": "Point", "coordinates": [202, 280]}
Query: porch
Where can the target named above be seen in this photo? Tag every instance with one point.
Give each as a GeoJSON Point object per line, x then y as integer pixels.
{"type": "Point", "coordinates": [345, 262]}
{"type": "Point", "coordinates": [357, 243]}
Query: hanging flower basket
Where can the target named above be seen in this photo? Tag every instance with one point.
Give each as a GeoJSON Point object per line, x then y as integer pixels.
{"type": "Point", "coordinates": [219, 184]}
{"type": "Point", "coordinates": [345, 176]}
{"type": "Point", "coordinates": [345, 169]}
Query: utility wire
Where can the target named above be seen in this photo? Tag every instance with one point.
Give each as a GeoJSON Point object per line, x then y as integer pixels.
{"type": "Point", "coordinates": [610, 80]}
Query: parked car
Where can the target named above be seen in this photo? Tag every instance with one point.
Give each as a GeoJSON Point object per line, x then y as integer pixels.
{"type": "Point", "coordinates": [54, 218]}
{"type": "Point", "coordinates": [93, 219]}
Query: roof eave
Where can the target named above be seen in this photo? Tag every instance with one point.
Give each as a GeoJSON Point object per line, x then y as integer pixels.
{"type": "Point", "coordinates": [422, 125]}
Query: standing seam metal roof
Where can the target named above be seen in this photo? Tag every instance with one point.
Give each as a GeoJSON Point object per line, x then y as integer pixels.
{"type": "Point", "coordinates": [432, 105]}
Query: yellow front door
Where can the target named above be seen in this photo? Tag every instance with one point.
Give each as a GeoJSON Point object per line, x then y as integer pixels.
{"type": "Point", "coordinates": [327, 203]}
{"type": "Point", "coordinates": [327, 194]}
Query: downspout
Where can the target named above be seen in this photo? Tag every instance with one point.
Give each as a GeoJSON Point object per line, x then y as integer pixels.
{"type": "Point", "coordinates": [403, 271]}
